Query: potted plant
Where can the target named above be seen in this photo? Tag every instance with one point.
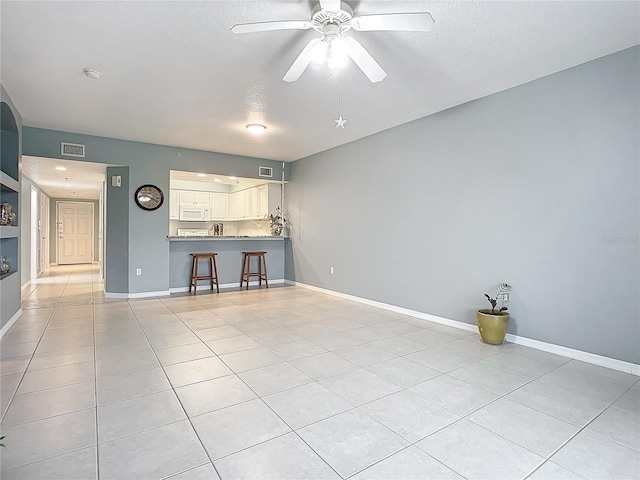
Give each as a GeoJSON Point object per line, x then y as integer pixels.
{"type": "Point", "coordinates": [276, 222]}
{"type": "Point", "coordinates": [493, 323]}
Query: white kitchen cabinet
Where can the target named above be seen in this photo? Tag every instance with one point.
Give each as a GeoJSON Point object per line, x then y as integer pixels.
{"type": "Point", "coordinates": [255, 203]}
{"type": "Point", "coordinates": [274, 199]}
{"type": "Point", "coordinates": [237, 205]}
{"type": "Point", "coordinates": [252, 203]}
{"type": "Point", "coordinates": [194, 198]}
{"type": "Point", "coordinates": [263, 200]}
{"type": "Point", "coordinates": [219, 206]}
{"type": "Point", "coordinates": [174, 204]}
{"type": "Point", "coordinates": [269, 198]}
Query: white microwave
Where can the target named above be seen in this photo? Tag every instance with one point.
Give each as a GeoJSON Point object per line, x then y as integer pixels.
{"type": "Point", "coordinates": [194, 214]}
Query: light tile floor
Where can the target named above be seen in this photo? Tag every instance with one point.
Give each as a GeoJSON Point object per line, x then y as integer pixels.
{"type": "Point", "coordinates": [289, 383]}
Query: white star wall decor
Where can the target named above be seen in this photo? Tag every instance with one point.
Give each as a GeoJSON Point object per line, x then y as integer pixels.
{"type": "Point", "coordinates": [340, 122]}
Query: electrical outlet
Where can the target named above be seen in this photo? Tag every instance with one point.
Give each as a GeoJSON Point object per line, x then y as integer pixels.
{"type": "Point", "coordinates": [138, 271]}
{"type": "Point", "coordinates": [331, 270]}
{"type": "Point", "coordinates": [505, 297]}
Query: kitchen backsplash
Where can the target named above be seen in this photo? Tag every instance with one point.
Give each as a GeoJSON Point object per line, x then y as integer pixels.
{"type": "Point", "coordinates": [231, 228]}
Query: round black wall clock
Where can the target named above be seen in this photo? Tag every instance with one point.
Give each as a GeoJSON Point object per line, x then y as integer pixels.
{"type": "Point", "coordinates": [149, 197]}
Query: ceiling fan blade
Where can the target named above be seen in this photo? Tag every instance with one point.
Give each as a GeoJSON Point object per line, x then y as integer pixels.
{"type": "Point", "coordinates": [407, 22]}
{"type": "Point", "coordinates": [365, 61]}
{"type": "Point", "coordinates": [270, 26]}
{"type": "Point", "coordinates": [301, 63]}
{"type": "Point", "coordinates": [330, 5]}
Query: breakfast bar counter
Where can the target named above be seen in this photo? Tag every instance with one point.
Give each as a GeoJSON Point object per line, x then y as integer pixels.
{"type": "Point", "coordinates": [221, 237]}
{"type": "Point", "coordinates": [229, 259]}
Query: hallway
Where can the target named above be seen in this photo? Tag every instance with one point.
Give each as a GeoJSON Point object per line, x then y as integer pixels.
{"type": "Point", "coordinates": [64, 285]}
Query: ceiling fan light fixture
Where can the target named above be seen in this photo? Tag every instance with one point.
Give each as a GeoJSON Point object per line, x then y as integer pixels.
{"type": "Point", "coordinates": [256, 128]}
{"type": "Point", "coordinates": [318, 53]}
{"type": "Point", "coordinates": [338, 52]}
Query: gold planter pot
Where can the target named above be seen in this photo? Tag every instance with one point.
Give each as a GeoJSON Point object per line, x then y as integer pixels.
{"type": "Point", "coordinates": [492, 326]}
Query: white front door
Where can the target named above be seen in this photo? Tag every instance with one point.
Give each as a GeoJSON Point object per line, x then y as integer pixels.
{"type": "Point", "coordinates": [75, 233]}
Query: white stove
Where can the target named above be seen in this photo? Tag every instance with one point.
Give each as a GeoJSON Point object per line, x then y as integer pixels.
{"type": "Point", "coordinates": [193, 232]}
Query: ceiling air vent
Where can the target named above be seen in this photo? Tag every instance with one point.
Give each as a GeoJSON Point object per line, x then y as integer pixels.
{"type": "Point", "coordinates": [265, 172]}
{"type": "Point", "coordinates": [72, 149]}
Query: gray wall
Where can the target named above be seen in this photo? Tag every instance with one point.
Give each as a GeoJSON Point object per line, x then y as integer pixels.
{"type": "Point", "coordinates": [116, 254]}
{"type": "Point", "coordinates": [146, 231]}
{"type": "Point", "coordinates": [53, 228]}
{"type": "Point", "coordinates": [537, 186]}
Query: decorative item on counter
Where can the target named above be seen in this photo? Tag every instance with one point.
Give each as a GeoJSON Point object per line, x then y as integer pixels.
{"type": "Point", "coordinates": [6, 215]}
{"type": "Point", "coordinates": [4, 266]}
{"type": "Point", "coordinates": [276, 222]}
{"type": "Point", "coordinates": [493, 323]}
{"type": "Point", "coordinates": [218, 229]}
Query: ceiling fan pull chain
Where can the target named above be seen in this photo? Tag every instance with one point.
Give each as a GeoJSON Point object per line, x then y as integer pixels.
{"type": "Point", "coordinates": [340, 121]}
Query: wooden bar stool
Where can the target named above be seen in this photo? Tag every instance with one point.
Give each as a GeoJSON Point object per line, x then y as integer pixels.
{"type": "Point", "coordinates": [246, 268]}
{"type": "Point", "coordinates": [213, 271]}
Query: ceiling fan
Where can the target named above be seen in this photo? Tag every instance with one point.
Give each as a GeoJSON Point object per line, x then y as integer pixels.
{"type": "Point", "coordinates": [332, 18]}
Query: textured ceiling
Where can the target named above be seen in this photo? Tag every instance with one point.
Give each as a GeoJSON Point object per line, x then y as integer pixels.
{"type": "Point", "coordinates": [174, 74]}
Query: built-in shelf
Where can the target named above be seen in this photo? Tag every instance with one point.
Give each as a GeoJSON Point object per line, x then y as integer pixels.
{"type": "Point", "coordinates": [9, 231]}
{"type": "Point", "coordinates": [10, 193]}
{"type": "Point", "coordinates": [7, 181]}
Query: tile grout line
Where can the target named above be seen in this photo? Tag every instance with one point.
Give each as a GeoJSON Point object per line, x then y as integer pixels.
{"type": "Point", "coordinates": [95, 384]}
{"type": "Point", "coordinates": [354, 407]}
{"type": "Point", "coordinates": [174, 391]}
{"type": "Point", "coordinates": [26, 368]}
{"type": "Point", "coordinates": [258, 397]}
{"type": "Point", "coordinates": [360, 367]}
{"type": "Point", "coordinates": [52, 314]}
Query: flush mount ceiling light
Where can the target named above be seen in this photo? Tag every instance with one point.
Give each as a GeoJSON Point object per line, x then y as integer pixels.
{"type": "Point", "coordinates": [256, 128]}
{"type": "Point", "coordinates": [91, 73]}
{"type": "Point", "coordinates": [233, 178]}
{"type": "Point", "coordinates": [217, 180]}
{"type": "Point", "coordinates": [202, 174]}
{"type": "Point", "coordinates": [62, 169]}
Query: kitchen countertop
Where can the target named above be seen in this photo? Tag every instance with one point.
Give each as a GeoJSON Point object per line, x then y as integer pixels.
{"type": "Point", "coordinates": [222, 237]}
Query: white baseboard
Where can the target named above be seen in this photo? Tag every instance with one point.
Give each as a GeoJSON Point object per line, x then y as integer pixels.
{"type": "Point", "coordinates": [164, 293]}
{"type": "Point", "coordinates": [160, 293]}
{"type": "Point", "coordinates": [226, 285]}
{"type": "Point", "coordinates": [12, 320]}
{"type": "Point", "coordinates": [587, 357]}
{"type": "Point", "coordinates": [581, 355]}
{"type": "Point", "coordinates": [26, 285]}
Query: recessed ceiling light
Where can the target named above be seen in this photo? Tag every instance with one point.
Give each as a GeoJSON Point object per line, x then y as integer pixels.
{"type": "Point", "coordinates": [202, 174]}
{"type": "Point", "coordinates": [233, 178]}
{"type": "Point", "coordinates": [256, 128]}
{"type": "Point", "coordinates": [217, 180]}
{"type": "Point", "coordinates": [91, 73]}
{"type": "Point", "coordinates": [62, 169]}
